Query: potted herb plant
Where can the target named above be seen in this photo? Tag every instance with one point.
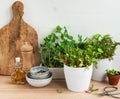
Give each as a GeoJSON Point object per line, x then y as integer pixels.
{"type": "Point", "coordinates": [77, 58]}
{"type": "Point", "coordinates": [104, 49]}
{"type": "Point", "coordinates": [113, 76]}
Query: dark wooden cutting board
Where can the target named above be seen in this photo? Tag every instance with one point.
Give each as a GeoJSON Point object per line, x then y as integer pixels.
{"type": "Point", "coordinates": [13, 36]}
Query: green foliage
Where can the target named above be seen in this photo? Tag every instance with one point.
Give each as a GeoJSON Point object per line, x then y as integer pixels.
{"type": "Point", "coordinates": [76, 57]}
{"type": "Point", "coordinates": [51, 46]}
{"type": "Point", "coordinates": [60, 48]}
{"type": "Point", "coordinates": [76, 54]}
{"type": "Point", "coordinates": [113, 72]}
{"type": "Point", "coordinates": [103, 46]}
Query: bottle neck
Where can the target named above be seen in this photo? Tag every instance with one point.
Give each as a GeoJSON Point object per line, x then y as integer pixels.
{"type": "Point", "coordinates": [18, 65]}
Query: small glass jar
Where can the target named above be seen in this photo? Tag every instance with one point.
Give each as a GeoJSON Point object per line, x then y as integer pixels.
{"type": "Point", "coordinates": [17, 74]}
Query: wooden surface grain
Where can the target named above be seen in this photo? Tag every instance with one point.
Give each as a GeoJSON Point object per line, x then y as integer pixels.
{"type": "Point", "coordinates": [13, 91]}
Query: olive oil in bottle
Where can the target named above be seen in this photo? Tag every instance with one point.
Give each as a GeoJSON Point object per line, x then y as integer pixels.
{"type": "Point", "coordinates": [18, 74]}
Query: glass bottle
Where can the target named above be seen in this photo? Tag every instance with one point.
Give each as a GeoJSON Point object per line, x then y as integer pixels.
{"type": "Point", "coordinates": [18, 75]}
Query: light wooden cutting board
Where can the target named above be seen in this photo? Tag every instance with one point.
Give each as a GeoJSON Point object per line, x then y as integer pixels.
{"type": "Point", "coordinates": [13, 36]}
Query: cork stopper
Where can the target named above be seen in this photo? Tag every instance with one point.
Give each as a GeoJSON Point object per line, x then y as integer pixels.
{"type": "Point", "coordinates": [26, 47]}
{"type": "Point", "coordinates": [17, 59]}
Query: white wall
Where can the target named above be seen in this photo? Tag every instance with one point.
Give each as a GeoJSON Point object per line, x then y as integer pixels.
{"type": "Point", "coordinates": [85, 17]}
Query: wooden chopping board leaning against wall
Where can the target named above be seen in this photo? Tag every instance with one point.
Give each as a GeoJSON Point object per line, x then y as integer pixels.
{"type": "Point", "coordinates": [13, 36]}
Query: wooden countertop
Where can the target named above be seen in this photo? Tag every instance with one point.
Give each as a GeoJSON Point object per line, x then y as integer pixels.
{"type": "Point", "coordinates": [13, 91]}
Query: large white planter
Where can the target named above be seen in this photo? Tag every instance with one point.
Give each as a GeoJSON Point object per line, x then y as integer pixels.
{"type": "Point", "coordinates": [77, 79]}
{"type": "Point", "coordinates": [99, 73]}
{"type": "Point", "coordinates": [57, 73]}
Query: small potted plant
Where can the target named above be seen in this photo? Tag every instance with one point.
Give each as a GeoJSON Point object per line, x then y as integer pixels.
{"type": "Point", "coordinates": [113, 76]}
{"type": "Point", "coordinates": [104, 48]}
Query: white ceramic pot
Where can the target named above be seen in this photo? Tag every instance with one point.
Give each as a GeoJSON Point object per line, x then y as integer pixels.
{"type": "Point", "coordinates": [77, 79]}
{"type": "Point", "coordinates": [99, 73]}
{"type": "Point", "coordinates": [57, 73]}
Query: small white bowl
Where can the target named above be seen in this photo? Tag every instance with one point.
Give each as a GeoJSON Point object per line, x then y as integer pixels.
{"type": "Point", "coordinates": [38, 82]}
{"type": "Point", "coordinates": [39, 72]}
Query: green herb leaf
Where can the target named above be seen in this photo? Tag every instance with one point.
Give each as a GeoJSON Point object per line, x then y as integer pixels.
{"type": "Point", "coordinates": [100, 50]}
{"type": "Point", "coordinates": [59, 91]}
